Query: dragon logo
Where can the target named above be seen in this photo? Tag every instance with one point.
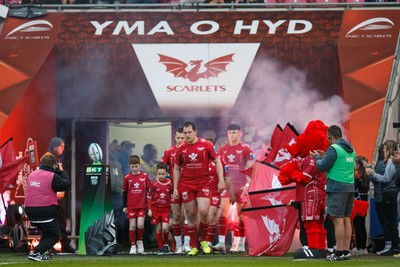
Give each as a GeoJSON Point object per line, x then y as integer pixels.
{"type": "Point", "coordinates": [192, 70]}
{"type": "Point", "coordinates": [273, 229]}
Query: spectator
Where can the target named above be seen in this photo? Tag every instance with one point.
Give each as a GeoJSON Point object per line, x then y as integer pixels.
{"type": "Point", "coordinates": [389, 198]}
{"type": "Point", "coordinates": [41, 204]}
{"type": "Point", "coordinates": [124, 154]}
{"type": "Point", "coordinates": [148, 161]}
{"type": "Point", "coordinates": [361, 184]}
{"type": "Point", "coordinates": [338, 162]}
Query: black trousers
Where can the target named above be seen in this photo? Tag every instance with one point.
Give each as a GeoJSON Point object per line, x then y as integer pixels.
{"type": "Point", "coordinates": [50, 235]}
{"type": "Point", "coordinates": [389, 222]}
{"type": "Point", "coordinates": [62, 224]}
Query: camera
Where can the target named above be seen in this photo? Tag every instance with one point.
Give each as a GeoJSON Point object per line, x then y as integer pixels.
{"type": "Point", "coordinates": [396, 124]}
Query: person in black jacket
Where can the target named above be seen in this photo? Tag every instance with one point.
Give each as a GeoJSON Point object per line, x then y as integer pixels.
{"type": "Point", "coordinates": [41, 204]}
{"type": "Point", "coordinates": [56, 148]}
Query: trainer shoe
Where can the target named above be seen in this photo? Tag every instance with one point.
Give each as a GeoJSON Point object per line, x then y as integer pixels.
{"type": "Point", "coordinates": [186, 248]}
{"type": "Point", "coordinates": [345, 257]}
{"type": "Point", "coordinates": [219, 247]}
{"type": "Point", "coordinates": [160, 252]}
{"type": "Point", "coordinates": [193, 252]}
{"type": "Point", "coordinates": [396, 255]}
{"type": "Point", "coordinates": [178, 250]}
{"type": "Point", "coordinates": [35, 256]}
{"type": "Point", "coordinates": [205, 247]}
{"type": "Point", "coordinates": [133, 250]}
{"type": "Point", "coordinates": [359, 251]}
{"type": "Point", "coordinates": [385, 249]}
{"type": "Point", "coordinates": [387, 253]}
{"type": "Point", "coordinates": [166, 250]}
{"type": "Point", "coordinates": [234, 248]}
{"type": "Point", "coordinates": [241, 249]}
{"type": "Point", "coordinates": [140, 248]}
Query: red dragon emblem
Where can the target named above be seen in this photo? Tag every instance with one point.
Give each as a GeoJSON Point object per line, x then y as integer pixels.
{"type": "Point", "coordinates": [191, 70]}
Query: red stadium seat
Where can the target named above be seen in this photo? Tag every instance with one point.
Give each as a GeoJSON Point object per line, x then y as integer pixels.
{"type": "Point", "coordinates": [294, 1]}
{"type": "Point", "coordinates": [353, 1]}
{"type": "Point", "coordinates": [326, 1]}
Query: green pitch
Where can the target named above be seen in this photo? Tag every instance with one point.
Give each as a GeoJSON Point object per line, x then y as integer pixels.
{"type": "Point", "coordinates": [13, 259]}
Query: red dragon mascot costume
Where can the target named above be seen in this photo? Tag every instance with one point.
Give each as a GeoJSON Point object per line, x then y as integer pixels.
{"type": "Point", "coordinates": [310, 186]}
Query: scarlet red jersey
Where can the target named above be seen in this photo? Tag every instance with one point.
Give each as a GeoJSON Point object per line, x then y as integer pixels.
{"type": "Point", "coordinates": [236, 157]}
{"type": "Point", "coordinates": [160, 194]}
{"type": "Point", "coordinates": [214, 175]}
{"type": "Point", "coordinates": [169, 159]}
{"type": "Point", "coordinates": [136, 186]}
{"type": "Point", "coordinates": [194, 159]}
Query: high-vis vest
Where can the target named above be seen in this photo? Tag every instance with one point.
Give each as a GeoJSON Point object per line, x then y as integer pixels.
{"type": "Point", "coordinates": [343, 167]}
{"type": "Point", "coordinates": [39, 191]}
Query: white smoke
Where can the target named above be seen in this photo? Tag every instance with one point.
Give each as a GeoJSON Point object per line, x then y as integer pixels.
{"type": "Point", "coordinates": [279, 95]}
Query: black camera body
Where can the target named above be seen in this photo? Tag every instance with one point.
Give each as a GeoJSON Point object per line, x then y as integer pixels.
{"type": "Point", "coordinates": [396, 124]}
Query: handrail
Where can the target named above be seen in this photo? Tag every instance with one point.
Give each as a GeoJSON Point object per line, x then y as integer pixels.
{"type": "Point", "coordinates": [209, 7]}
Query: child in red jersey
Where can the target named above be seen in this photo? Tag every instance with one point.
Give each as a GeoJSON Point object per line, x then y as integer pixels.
{"type": "Point", "coordinates": [135, 187]}
{"type": "Point", "coordinates": [160, 207]}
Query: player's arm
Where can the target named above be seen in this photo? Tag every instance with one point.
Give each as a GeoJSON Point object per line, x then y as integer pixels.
{"type": "Point", "coordinates": [229, 187]}
{"type": "Point", "coordinates": [220, 172]}
{"type": "Point", "coordinates": [177, 177]}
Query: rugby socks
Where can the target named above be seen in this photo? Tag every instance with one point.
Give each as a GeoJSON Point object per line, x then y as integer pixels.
{"type": "Point", "coordinates": [165, 238]}
{"type": "Point", "coordinates": [203, 231]}
{"type": "Point", "coordinates": [211, 230]}
{"type": "Point", "coordinates": [177, 230]}
{"type": "Point", "coordinates": [222, 228]}
{"type": "Point", "coordinates": [132, 237]}
{"type": "Point", "coordinates": [192, 233]}
{"type": "Point", "coordinates": [140, 233]}
{"type": "Point", "coordinates": [159, 241]}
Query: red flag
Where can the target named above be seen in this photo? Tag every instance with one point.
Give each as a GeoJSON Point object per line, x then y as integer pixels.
{"type": "Point", "coordinates": [273, 229]}
{"type": "Point", "coordinates": [9, 166]}
{"type": "Point", "coordinates": [279, 155]}
{"type": "Point", "coordinates": [272, 197]}
{"type": "Point", "coordinates": [264, 176]}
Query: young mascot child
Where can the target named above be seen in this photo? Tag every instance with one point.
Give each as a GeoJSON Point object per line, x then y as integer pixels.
{"type": "Point", "coordinates": [135, 187]}
{"type": "Point", "coordinates": [160, 207]}
{"type": "Point", "coordinates": [310, 186]}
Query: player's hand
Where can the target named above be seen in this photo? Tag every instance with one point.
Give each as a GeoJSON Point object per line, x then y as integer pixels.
{"type": "Point", "coordinates": [245, 189]}
{"type": "Point", "coordinates": [175, 194]}
{"type": "Point", "coordinates": [232, 199]}
{"type": "Point", "coordinates": [149, 213]}
{"type": "Point", "coordinates": [125, 210]}
{"type": "Point", "coordinates": [221, 186]}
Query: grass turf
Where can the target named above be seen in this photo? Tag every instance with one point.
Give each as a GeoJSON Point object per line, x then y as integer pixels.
{"type": "Point", "coordinates": [19, 259]}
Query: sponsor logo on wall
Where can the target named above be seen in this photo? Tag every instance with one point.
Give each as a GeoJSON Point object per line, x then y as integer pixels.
{"type": "Point", "coordinates": [31, 30]}
{"type": "Point", "coordinates": [374, 28]}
